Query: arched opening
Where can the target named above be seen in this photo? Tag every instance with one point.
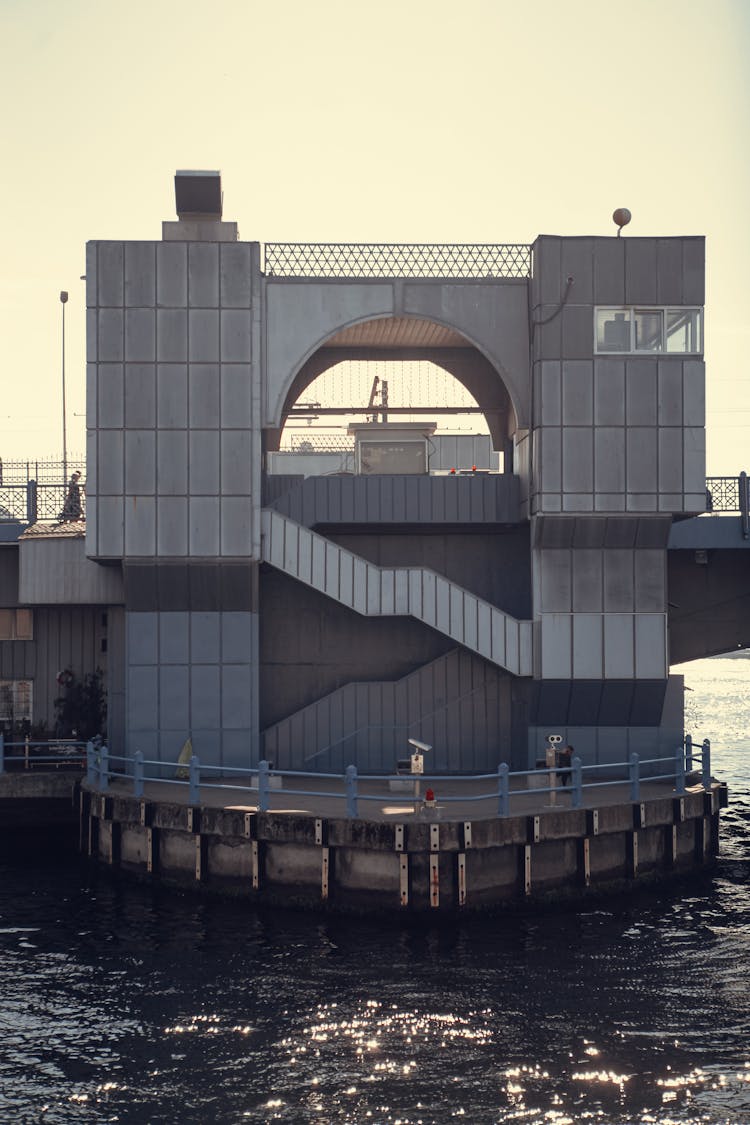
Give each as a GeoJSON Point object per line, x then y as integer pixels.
{"type": "Point", "coordinates": [396, 370]}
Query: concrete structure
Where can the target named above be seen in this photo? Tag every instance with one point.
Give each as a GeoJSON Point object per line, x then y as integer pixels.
{"type": "Point", "coordinates": [318, 620]}
{"type": "Point", "coordinates": [379, 865]}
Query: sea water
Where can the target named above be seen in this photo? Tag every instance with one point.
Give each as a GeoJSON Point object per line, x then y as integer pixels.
{"type": "Point", "coordinates": [128, 1003]}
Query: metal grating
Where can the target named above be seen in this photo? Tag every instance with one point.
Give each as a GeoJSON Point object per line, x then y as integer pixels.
{"type": "Point", "coordinates": [723, 494]}
{"type": "Point", "coordinates": [375, 259]}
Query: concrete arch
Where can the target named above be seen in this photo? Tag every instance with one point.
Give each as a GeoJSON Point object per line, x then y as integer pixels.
{"type": "Point", "coordinates": [495, 392]}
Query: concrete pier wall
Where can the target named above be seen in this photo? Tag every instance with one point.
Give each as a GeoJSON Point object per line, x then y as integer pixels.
{"type": "Point", "coordinates": [421, 867]}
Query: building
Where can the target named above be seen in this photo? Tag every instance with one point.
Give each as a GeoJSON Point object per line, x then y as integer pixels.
{"type": "Point", "coordinates": [318, 620]}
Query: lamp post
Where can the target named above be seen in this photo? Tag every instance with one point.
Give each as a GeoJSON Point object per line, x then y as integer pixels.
{"type": "Point", "coordinates": [63, 302]}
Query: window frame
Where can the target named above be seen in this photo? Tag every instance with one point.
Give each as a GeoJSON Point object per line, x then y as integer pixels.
{"type": "Point", "coordinates": [664, 311]}
{"type": "Point", "coordinates": [18, 687]}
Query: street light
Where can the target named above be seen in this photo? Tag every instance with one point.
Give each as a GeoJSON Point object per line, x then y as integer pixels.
{"type": "Point", "coordinates": [63, 302]}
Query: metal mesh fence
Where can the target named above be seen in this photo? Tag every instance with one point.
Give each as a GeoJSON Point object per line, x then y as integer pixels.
{"type": "Point", "coordinates": [374, 259]}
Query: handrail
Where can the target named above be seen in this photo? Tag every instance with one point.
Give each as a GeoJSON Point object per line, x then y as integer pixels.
{"type": "Point", "coordinates": [261, 779]}
{"type": "Point", "coordinates": [62, 751]}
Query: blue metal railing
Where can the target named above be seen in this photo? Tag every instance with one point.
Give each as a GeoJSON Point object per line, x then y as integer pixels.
{"type": "Point", "coordinates": [27, 754]}
{"type": "Point", "coordinates": [354, 787]}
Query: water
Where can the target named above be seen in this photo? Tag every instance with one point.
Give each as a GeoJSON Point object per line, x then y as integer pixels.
{"type": "Point", "coordinates": [124, 1003]}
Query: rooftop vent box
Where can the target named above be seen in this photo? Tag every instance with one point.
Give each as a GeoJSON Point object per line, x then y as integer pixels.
{"type": "Point", "coordinates": [198, 195]}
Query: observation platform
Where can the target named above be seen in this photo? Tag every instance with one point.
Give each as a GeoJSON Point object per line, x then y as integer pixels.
{"type": "Point", "coordinates": [365, 848]}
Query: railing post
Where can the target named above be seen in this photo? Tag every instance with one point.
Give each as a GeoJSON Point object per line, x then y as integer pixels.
{"type": "Point", "coordinates": [2, 752]}
{"type": "Point", "coordinates": [104, 769]}
{"type": "Point", "coordinates": [90, 764]}
{"type": "Point", "coordinates": [688, 752]}
{"type": "Point", "coordinates": [744, 505]}
{"type": "Point", "coordinates": [31, 501]}
{"type": "Point", "coordinates": [577, 781]}
{"type": "Point", "coordinates": [194, 776]}
{"type": "Point", "coordinates": [138, 774]}
{"type": "Point", "coordinates": [635, 777]}
{"type": "Point", "coordinates": [679, 772]}
{"type": "Point", "coordinates": [351, 791]}
{"type": "Point", "coordinates": [503, 789]}
{"type": "Point", "coordinates": [706, 764]}
{"type": "Point", "coordinates": [263, 786]}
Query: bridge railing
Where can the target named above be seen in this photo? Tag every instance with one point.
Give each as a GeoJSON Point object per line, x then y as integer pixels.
{"type": "Point", "coordinates": [504, 789]}
{"type": "Point", "coordinates": [31, 501]}
{"type": "Point", "coordinates": [27, 754]}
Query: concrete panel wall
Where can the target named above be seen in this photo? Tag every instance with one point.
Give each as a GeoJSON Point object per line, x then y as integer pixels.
{"type": "Point", "coordinates": [494, 498]}
{"type": "Point", "coordinates": [302, 315]}
{"type": "Point", "coordinates": [174, 446]}
{"type": "Point", "coordinates": [614, 433]}
{"type": "Point", "coordinates": [601, 613]}
{"type": "Point", "coordinates": [372, 590]}
{"type": "Point", "coordinates": [458, 704]}
{"type": "Point", "coordinates": [55, 571]}
{"type": "Point", "coordinates": [192, 675]}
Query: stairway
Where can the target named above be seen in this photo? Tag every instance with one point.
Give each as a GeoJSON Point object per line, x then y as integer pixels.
{"type": "Point", "coordinates": [396, 591]}
{"type": "Point", "coordinates": [455, 703]}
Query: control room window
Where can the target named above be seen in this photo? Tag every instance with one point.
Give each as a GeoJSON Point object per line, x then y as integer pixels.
{"type": "Point", "coordinates": [677, 331]}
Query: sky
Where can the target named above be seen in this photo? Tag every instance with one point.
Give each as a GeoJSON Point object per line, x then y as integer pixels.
{"type": "Point", "coordinates": [402, 121]}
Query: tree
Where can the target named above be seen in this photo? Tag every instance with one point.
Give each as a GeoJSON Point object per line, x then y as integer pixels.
{"type": "Point", "coordinates": [81, 711]}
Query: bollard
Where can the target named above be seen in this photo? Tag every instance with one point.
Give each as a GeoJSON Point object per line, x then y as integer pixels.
{"type": "Point", "coordinates": [194, 776]}
{"type": "Point", "coordinates": [138, 774]}
{"type": "Point", "coordinates": [577, 782]}
{"type": "Point", "coordinates": [351, 791]}
{"type": "Point", "coordinates": [503, 790]}
{"type": "Point", "coordinates": [635, 777]}
{"type": "Point", "coordinates": [263, 786]}
{"type": "Point", "coordinates": [706, 764]}
{"type": "Point", "coordinates": [2, 752]}
{"type": "Point", "coordinates": [679, 775]}
{"type": "Point", "coordinates": [104, 769]}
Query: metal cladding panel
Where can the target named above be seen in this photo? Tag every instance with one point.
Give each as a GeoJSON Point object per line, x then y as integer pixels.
{"type": "Point", "coordinates": [401, 582]}
{"type": "Point", "coordinates": [588, 650]}
{"type": "Point", "coordinates": [695, 469]}
{"type": "Point", "coordinates": [669, 289]}
{"type": "Point", "coordinates": [555, 575]}
{"type": "Point", "coordinates": [618, 581]}
{"type": "Point", "coordinates": [359, 585]}
{"type": "Point", "coordinates": [499, 643]}
{"type": "Point", "coordinates": [428, 609]}
{"type": "Point", "coordinates": [651, 646]}
{"type": "Point", "coordinates": [443, 605]}
{"type": "Point", "coordinates": [588, 577]}
{"type": "Point", "coordinates": [577, 393]}
{"type": "Point", "coordinates": [641, 455]}
{"type": "Point", "coordinates": [619, 646]}
{"type": "Point", "coordinates": [513, 644]}
{"type": "Point", "coordinates": [457, 620]}
{"type": "Point", "coordinates": [57, 572]}
{"type": "Point", "coordinates": [9, 573]}
{"type": "Point", "coordinates": [551, 393]}
{"type": "Point", "coordinates": [556, 644]}
{"type": "Point", "coordinates": [641, 383]}
{"type": "Point", "coordinates": [609, 459]}
{"type": "Point", "coordinates": [640, 271]}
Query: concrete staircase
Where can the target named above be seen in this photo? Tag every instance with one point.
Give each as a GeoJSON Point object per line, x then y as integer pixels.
{"type": "Point", "coordinates": [457, 703]}
{"type": "Point", "coordinates": [396, 591]}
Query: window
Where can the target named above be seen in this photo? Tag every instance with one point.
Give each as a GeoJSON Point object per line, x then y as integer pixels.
{"type": "Point", "coordinates": [15, 705]}
{"type": "Point", "coordinates": [16, 625]}
{"type": "Point", "coordinates": [676, 331]}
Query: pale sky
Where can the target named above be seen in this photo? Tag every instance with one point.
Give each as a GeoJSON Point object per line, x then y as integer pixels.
{"type": "Point", "coordinates": [416, 120]}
